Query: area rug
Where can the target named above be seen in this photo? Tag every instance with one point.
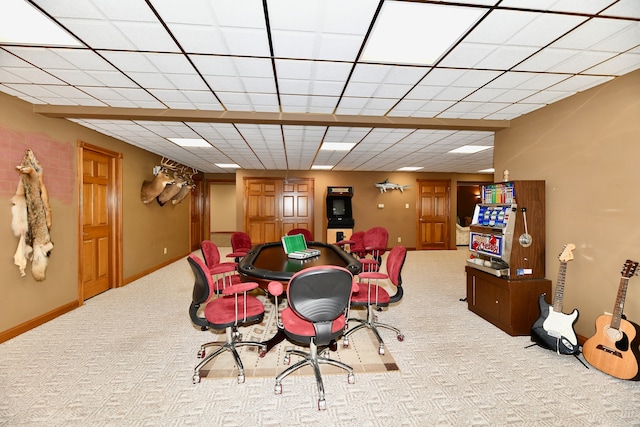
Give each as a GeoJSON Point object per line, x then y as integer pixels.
{"type": "Point", "coordinates": [361, 354]}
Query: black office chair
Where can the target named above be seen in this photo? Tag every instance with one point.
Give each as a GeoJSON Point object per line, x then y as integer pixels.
{"type": "Point", "coordinates": [372, 295]}
{"type": "Point", "coordinates": [317, 300]}
{"type": "Point", "coordinates": [233, 308]}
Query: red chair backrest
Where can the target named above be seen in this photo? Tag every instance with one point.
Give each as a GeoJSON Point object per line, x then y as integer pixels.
{"type": "Point", "coordinates": [395, 261]}
{"type": "Point", "coordinates": [240, 241]}
{"type": "Point", "coordinates": [376, 237]}
{"type": "Point", "coordinates": [210, 253]}
{"type": "Point", "coordinates": [306, 233]}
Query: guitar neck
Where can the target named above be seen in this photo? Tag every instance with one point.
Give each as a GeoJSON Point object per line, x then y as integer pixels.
{"type": "Point", "coordinates": [619, 308]}
{"type": "Point", "coordinates": [559, 294]}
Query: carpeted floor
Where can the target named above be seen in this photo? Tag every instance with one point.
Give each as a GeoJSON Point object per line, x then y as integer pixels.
{"type": "Point", "coordinates": [126, 358]}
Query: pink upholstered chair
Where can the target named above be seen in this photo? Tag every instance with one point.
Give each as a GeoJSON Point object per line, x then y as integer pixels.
{"type": "Point", "coordinates": [234, 308]}
{"type": "Point", "coordinates": [355, 244]}
{"type": "Point", "coordinates": [315, 316]}
{"type": "Point", "coordinates": [223, 272]}
{"type": "Point", "coordinates": [371, 294]}
{"type": "Point", "coordinates": [240, 245]}
{"type": "Point", "coordinates": [308, 236]}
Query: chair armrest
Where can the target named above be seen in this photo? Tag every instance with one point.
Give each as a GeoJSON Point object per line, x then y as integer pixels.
{"type": "Point", "coordinates": [275, 288]}
{"type": "Point", "coordinates": [344, 242]}
{"type": "Point", "coordinates": [372, 275]}
{"type": "Point", "coordinates": [226, 267]}
{"type": "Point", "coordinates": [239, 288]}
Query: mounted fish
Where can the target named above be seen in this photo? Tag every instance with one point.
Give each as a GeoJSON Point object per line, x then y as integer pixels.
{"type": "Point", "coordinates": [386, 185]}
{"type": "Point", "coordinates": [31, 220]}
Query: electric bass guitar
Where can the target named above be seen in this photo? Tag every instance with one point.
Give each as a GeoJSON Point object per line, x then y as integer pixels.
{"type": "Point", "coordinates": [554, 329]}
{"type": "Point", "coordinates": [615, 347]}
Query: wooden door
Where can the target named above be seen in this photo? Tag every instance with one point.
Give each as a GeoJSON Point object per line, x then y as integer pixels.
{"type": "Point", "coordinates": [296, 205]}
{"type": "Point", "coordinates": [262, 210]}
{"type": "Point", "coordinates": [196, 209]}
{"type": "Point", "coordinates": [433, 214]}
{"type": "Point", "coordinates": [100, 212]}
{"type": "Point", "coordinates": [274, 206]}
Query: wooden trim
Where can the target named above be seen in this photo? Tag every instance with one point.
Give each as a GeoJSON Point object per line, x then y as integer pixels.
{"type": "Point", "coordinates": [116, 255]}
{"type": "Point", "coordinates": [37, 321]}
{"type": "Point", "coordinates": [273, 118]}
{"type": "Point", "coordinates": [153, 269]}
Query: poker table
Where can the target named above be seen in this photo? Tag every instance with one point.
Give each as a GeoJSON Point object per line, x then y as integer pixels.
{"type": "Point", "coordinates": [268, 261]}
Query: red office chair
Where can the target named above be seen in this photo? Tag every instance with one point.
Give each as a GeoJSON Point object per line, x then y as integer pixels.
{"type": "Point", "coordinates": [240, 245]}
{"type": "Point", "coordinates": [224, 272]}
{"type": "Point", "coordinates": [375, 242]}
{"type": "Point", "coordinates": [317, 300]}
{"type": "Point", "coordinates": [308, 236]}
{"type": "Point", "coordinates": [371, 294]}
{"type": "Point", "coordinates": [355, 244]}
{"type": "Point", "coordinates": [235, 307]}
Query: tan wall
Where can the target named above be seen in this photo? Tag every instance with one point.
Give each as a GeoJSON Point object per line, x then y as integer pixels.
{"type": "Point", "coordinates": [147, 229]}
{"type": "Point", "coordinates": [399, 220]}
{"type": "Point", "coordinates": [587, 149]}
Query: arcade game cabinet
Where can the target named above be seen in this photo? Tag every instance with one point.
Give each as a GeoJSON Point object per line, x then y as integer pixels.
{"type": "Point", "coordinates": [339, 213]}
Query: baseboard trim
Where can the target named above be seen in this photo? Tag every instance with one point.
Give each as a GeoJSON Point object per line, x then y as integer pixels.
{"type": "Point", "coordinates": [151, 270]}
{"type": "Point", "coordinates": [35, 322]}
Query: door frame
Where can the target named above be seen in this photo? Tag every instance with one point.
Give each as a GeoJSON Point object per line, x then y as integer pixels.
{"type": "Point", "coordinates": [114, 200]}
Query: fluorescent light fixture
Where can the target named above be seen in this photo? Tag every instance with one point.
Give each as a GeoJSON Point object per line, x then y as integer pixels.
{"type": "Point", "coordinates": [410, 169]}
{"type": "Point", "coordinates": [470, 149]}
{"type": "Point", "coordinates": [322, 167]}
{"type": "Point", "coordinates": [417, 33]}
{"type": "Point", "coordinates": [227, 165]}
{"type": "Point", "coordinates": [337, 146]}
{"type": "Point", "coordinates": [22, 23]}
{"type": "Point", "coordinates": [190, 142]}
{"type": "Point", "coordinates": [490, 170]}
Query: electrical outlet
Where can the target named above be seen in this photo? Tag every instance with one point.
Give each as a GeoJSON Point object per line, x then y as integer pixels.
{"type": "Point", "coordinates": [164, 251]}
{"type": "Point", "coordinates": [399, 239]}
{"type": "Point", "coordinates": [407, 206]}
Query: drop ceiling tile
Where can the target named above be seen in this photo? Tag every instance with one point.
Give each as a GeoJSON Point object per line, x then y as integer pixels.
{"type": "Point", "coordinates": [617, 66]}
{"type": "Point", "coordinates": [629, 8]}
{"type": "Point", "coordinates": [577, 6]}
{"type": "Point", "coordinates": [580, 83]}
{"type": "Point", "coordinates": [153, 80]}
{"type": "Point", "coordinates": [97, 33]}
{"type": "Point", "coordinates": [607, 35]}
{"type": "Point", "coordinates": [524, 80]}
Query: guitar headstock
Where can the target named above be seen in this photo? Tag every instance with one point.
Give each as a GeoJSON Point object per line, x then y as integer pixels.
{"type": "Point", "coordinates": [567, 252]}
{"type": "Point", "coordinates": [629, 268]}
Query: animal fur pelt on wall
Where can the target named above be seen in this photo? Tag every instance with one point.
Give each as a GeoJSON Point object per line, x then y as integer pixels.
{"type": "Point", "coordinates": [31, 220]}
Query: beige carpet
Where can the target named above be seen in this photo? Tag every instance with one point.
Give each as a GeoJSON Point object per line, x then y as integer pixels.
{"type": "Point", "coordinates": [361, 354]}
{"type": "Point", "coordinates": [126, 358]}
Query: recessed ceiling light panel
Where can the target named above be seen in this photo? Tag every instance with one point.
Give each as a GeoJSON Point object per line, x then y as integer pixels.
{"type": "Point", "coordinates": [417, 33]}
{"type": "Point", "coordinates": [337, 146]}
{"type": "Point", "coordinates": [470, 149]}
{"type": "Point", "coordinates": [190, 142]}
{"type": "Point", "coordinates": [22, 23]}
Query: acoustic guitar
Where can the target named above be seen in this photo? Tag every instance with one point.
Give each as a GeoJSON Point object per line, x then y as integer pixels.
{"type": "Point", "coordinates": [554, 329]}
{"type": "Point", "coordinates": [615, 347]}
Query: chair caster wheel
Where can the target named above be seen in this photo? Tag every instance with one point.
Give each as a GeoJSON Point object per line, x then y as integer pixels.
{"type": "Point", "coordinates": [196, 378]}
{"type": "Point", "coordinates": [345, 343]}
{"type": "Point", "coordinates": [322, 405]}
{"type": "Point", "coordinates": [351, 379]}
{"type": "Point", "coordinates": [400, 337]}
{"type": "Point", "coordinates": [277, 389]}
{"type": "Point", "coordinates": [240, 378]}
{"type": "Point", "coordinates": [263, 353]}
{"type": "Point", "coordinates": [381, 350]}
{"type": "Point", "coordinates": [333, 345]}
{"type": "Point", "coordinates": [287, 360]}
{"type": "Point", "coordinates": [201, 353]}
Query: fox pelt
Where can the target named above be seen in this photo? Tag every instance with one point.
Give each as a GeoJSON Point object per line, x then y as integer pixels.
{"type": "Point", "coordinates": [31, 218]}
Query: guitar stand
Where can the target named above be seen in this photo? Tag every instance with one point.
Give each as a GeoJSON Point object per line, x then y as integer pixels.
{"type": "Point", "coordinates": [575, 355]}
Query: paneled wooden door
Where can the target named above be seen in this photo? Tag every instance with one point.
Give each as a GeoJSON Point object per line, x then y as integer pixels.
{"type": "Point", "coordinates": [100, 254]}
{"type": "Point", "coordinates": [433, 214]}
{"type": "Point", "coordinates": [196, 212]}
{"type": "Point", "coordinates": [274, 206]}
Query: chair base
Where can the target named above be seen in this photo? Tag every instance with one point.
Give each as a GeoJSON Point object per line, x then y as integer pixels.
{"type": "Point", "coordinates": [234, 339]}
{"type": "Point", "coordinates": [314, 359]}
{"type": "Point", "coordinates": [372, 323]}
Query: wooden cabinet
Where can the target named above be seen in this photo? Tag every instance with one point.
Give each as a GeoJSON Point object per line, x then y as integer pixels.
{"type": "Point", "coordinates": [511, 305]}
